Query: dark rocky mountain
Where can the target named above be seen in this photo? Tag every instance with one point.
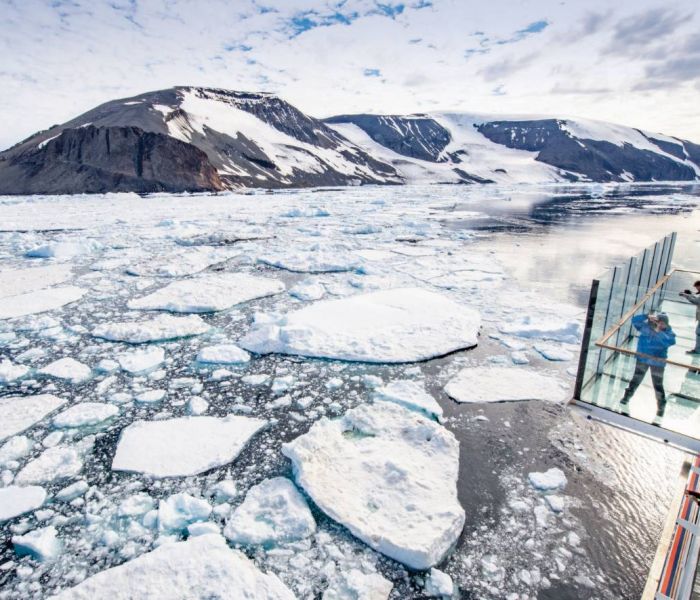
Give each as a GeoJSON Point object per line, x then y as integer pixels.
{"type": "Point", "coordinates": [205, 139]}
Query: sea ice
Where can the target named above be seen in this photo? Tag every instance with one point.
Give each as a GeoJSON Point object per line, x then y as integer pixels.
{"type": "Point", "coordinates": [438, 584]}
{"type": "Point", "coordinates": [59, 462]}
{"type": "Point", "coordinates": [353, 584]}
{"type": "Point", "coordinates": [72, 491]}
{"type": "Point", "coordinates": [21, 281]}
{"type": "Point", "coordinates": [313, 261]}
{"type": "Point", "coordinates": [142, 361]}
{"type": "Point", "coordinates": [21, 412]}
{"type": "Point", "coordinates": [551, 480]}
{"type": "Point", "coordinates": [64, 249]}
{"type": "Point", "coordinates": [544, 328]}
{"type": "Point", "coordinates": [67, 368]}
{"type": "Point", "coordinates": [202, 568]}
{"type": "Point", "coordinates": [157, 329]}
{"type": "Point", "coordinates": [16, 500]}
{"type": "Point", "coordinates": [308, 290]}
{"type": "Point", "coordinates": [85, 414]}
{"type": "Point", "coordinates": [41, 544]}
{"type": "Point", "coordinates": [183, 263]}
{"type": "Point", "coordinates": [393, 326]}
{"type": "Point", "coordinates": [183, 446]}
{"type": "Point", "coordinates": [501, 384]}
{"type": "Point", "coordinates": [38, 301]}
{"type": "Point", "coordinates": [178, 511]}
{"type": "Point", "coordinates": [15, 448]}
{"type": "Point", "coordinates": [554, 353]}
{"type": "Point", "coordinates": [387, 474]}
{"type": "Point", "coordinates": [273, 511]}
{"type": "Point", "coordinates": [10, 372]}
{"type": "Point", "coordinates": [208, 293]}
{"type": "Point", "coordinates": [223, 354]}
{"type": "Point", "coordinates": [411, 395]}
{"type": "Point", "coordinates": [150, 396]}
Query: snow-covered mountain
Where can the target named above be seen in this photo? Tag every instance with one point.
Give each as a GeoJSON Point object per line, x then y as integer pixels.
{"type": "Point", "coordinates": [188, 138]}
{"type": "Point", "coordinates": [459, 147]}
{"type": "Point", "coordinates": [205, 139]}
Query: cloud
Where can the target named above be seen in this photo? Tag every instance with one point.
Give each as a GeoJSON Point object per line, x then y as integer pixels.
{"type": "Point", "coordinates": [559, 88]}
{"type": "Point", "coordinates": [673, 65]}
{"type": "Point", "coordinates": [506, 67]}
{"type": "Point", "coordinates": [642, 30]}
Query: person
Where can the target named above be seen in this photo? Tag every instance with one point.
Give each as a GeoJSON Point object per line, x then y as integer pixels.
{"type": "Point", "coordinates": [655, 338]}
{"type": "Point", "coordinates": [694, 299]}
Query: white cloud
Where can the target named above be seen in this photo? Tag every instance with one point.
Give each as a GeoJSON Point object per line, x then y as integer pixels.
{"type": "Point", "coordinates": [62, 57]}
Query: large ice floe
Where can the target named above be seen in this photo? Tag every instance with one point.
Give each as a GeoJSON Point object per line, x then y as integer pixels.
{"type": "Point", "coordinates": [389, 475]}
{"type": "Point", "coordinates": [38, 301]}
{"type": "Point", "coordinates": [392, 326]}
{"type": "Point", "coordinates": [411, 395]}
{"type": "Point", "coordinates": [312, 261]}
{"type": "Point", "coordinates": [54, 464]}
{"type": "Point", "coordinates": [208, 293]}
{"type": "Point", "coordinates": [182, 263]}
{"type": "Point", "coordinates": [504, 384]}
{"type": "Point", "coordinates": [67, 368]}
{"type": "Point", "coordinates": [21, 412]}
{"type": "Point", "coordinates": [273, 511]}
{"type": "Point", "coordinates": [20, 281]}
{"type": "Point", "coordinates": [159, 328]}
{"type": "Point", "coordinates": [16, 500]}
{"type": "Point", "coordinates": [85, 414]}
{"type": "Point", "coordinates": [201, 568]}
{"type": "Point", "coordinates": [183, 446]}
{"type": "Point", "coordinates": [141, 361]}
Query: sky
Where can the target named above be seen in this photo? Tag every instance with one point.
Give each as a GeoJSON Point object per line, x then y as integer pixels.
{"type": "Point", "coordinates": [634, 62]}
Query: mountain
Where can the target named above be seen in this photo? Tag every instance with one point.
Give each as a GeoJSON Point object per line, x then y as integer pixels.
{"type": "Point", "coordinates": [206, 139]}
{"type": "Point", "coordinates": [188, 139]}
{"type": "Point", "coordinates": [459, 147]}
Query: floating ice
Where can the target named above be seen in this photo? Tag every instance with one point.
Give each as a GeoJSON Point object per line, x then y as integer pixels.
{"type": "Point", "coordinates": [438, 584]}
{"type": "Point", "coordinates": [59, 462]}
{"type": "Point", "coordinates": [180, 510]}
{"type": "Point", "coordinates": [353, 584]}
{"type": "Point", "coordinates": [197, 405]}
{"type": "Point", "coordinates": [201, 568]}
{"type": "Point", "coordinates": [142, 361]}
{"type": "Point", "coordinates": [389, 475]}
{"type": "Point", "coordinates": [41, 544]}
{"type": "Point", "coordinates": [554, 353]}
{"type": "Point", "coordinates": [544, 328]}
{"type": "Point", "coordinates": [183, 446]}
{"type": "Point", "coordinates": [314, 261]}
{"type": "Point", "coordinates": [21, 412]}
{"type": "Point", "coordinates": [38, 301]}
{"type": "Point", "coordinates": [64, 250]}
{"type": "Point", "coordinates": [16, 500]}
{"type": "Point", "coordinates": [15, 448]}
{"type": "Point", "coordinates": [150, 396]}
{"type": "Point", "coordinates": [223, 354]}
{"type": "Point", "coordinates": [549, 481]}
{"type": "Point", "coordinates": [10, 372]}
{"type": "Point", "coordinates": [411, 395]}
{"type": "Point", "coordinates": [183, 263]}
{"type": "Point", "coordinates": [136, 505]}
{"type": "Point", "coordinates": [159, 328]}
{"type": "Point", "coordinates": [67, 368]}
{"type": "Point", "coordinates": [504, 384]}
{"type": "Point", "coordinates": [85, 414]}
{"type": "Point", "coordinates": [308, 290]}
{"type": "Point", "coordinates": [73, 491]}
{"type": "Point", "coordinates": [400, 325]}
{"type": "Point", "coordinates": [273, 511]}
{"type": "Point", "coordinates": [21, 281]}
{"type": "Point", "coordinates": [208, 293]}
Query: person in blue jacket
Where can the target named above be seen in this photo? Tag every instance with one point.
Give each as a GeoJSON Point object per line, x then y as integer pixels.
{"type": "Point", "coordinates": [655, 338]}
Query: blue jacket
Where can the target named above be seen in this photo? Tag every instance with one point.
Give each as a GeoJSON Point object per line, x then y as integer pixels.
{"type": "Point", "coordinates": [652, 342]}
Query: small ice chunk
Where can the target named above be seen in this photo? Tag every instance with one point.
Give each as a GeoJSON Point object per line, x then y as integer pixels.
{"type": "Point", "coordinates": [41, 544]}
{"type": "Point", "coordinates": [549, 481]}
{"type": "Point", "coordinates": [273, 512]}
{"type": "Point", "coordinates": [85, 414]}
{"type": "Point", "coordinates": [195, 529]}
{"type": "Point", "coordinates": [554, 353]}
{"type": "Point", "coordinates": [16, 500]}
{"type": "Point", "coordinates": [67, 368]}
{"type": "Point", "coordinates": [159, 328]}
{"type": "Point", "coordinates": [282, 384]}
{"type": "Point", "coordinates": [150, 396]}
{"type": "Point", "coordinates": [556, 503]}
{"type": "Point", "coordinates": [10, 372]}
{"type": "Point", "coordinates": [15, 448]}
{"type": "Point", "coordinates": [179, 510]}
{"type": "Point", "coordinates": [135, 505]}
{"type": "Point", "coordinates": [208, 293]}
{"type": "Point", "coordinates": [308, 290]}
{"type": "Point", "coordinates": [107, 366]}
{"type": "Point", "coordinates": [223, 354]}
{"type": "Point", "coordinates": [504, 384]}
{"type": "Point", "coordinates": [202, 567]}
{"type": "Point", "coordinates": [392, 326]}
{"type": "Point", "coordinates": [197, 405]}
{"type": "Point", "coordinates": [183, 446]}
{"type": "Point", "coordinates": [438, 584]}
{"type": "Point", "coordinates": [21, 412]}
{"type": "Point", "coordinates": [224, 490]}
{"type": "Point", "coordinates": [353, 584]}
{"type": "Point", "coordinates": [64, 249]}
{"type": "Point", "coordinates": [411, 395]}
{"type": "Point", "coordinates": [56, 463]}
{"type": "Point", "coordinates": [72, 491]}
{"type": "Point", "coordinates": [257, 379]}
{"type": "Point", "coordinates": [137, 362]}
{"type": "Point", "coordinates": [544, 327]}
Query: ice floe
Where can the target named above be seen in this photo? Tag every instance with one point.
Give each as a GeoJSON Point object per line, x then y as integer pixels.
{"type": "Point", "coordinates": [39, 301]}
{"type": "Point", "coordinates": [141, 361]}
{"type": "Point", "coordinates": [64, 249]}
{"type": "Point", "coordinates": [85, 414]}
{"type": "Point", "coordinates": [183, 446]}
{"type": "Point", "coordinates": [353, 584]}
{"type": "Point", "coordinates": [159, 328]}
{"type": "Point", "coordinates": [178, 511]}
{"type": "Point", "coordinates": [551, 480]}
{"type": "Point", "coordinates": [389, 475]}
{"type": "Point", "coordinates": [183, 263]}
{"type": "Point", "coordinates": [41, 544]}
{"type": "Point", "coordinates": [223, 354]}
{"type": "Point", "coordinates": [208, 293]}
{"type": "Point", "coordinates": [504, 384]}
{"type": "Point", "coordinates": [273, 511]}
{"type": "Point", "coordinates": [10, 372]}
{"type": "Point", "coordinates": [21, 412]}
{"type": "Point", "coordinates": [308, 290]}
{"type": "Point", "coordinates": [438, 584]}
{"type": "Point", "coordinates": [16, 500]}
{"type": "Point", "coordinates": [545, 327]}
{"type": "Point", "coordinates": [393, 326]}
{"type": "Point", "coordinates": [313, 261]}
{"type": "Point", "coordinates": [59, 462]}
{"type": "Point", "coordinates": [67, 368]}
{"type": "Point", "coordinates": [15, 448]}
{"type": "Point", "coordinates": [201, 568]}
{"type": "Point", "coordinates": [21, 281]}
{"type": "Point", "coordinates": [410, 394]}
